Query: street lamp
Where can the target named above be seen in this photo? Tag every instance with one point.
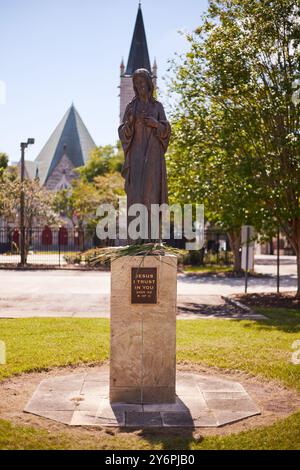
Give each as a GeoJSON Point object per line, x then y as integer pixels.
{"type": "Point", "coordinates": [24, 145]}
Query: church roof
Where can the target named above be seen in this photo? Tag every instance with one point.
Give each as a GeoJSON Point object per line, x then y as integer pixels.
{"type": "Point", "coordinates": [30, 169]}
{"type": "Point", "coordinates": [71, 137]}
{"type": "Point", "coordinates": [138, 55]}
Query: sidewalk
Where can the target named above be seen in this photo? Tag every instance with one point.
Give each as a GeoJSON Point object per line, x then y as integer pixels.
{"type": "Point", "coordinates": [86, 294]}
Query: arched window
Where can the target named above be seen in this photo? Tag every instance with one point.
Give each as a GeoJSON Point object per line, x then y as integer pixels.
{"type": "Point", "coordinates": [47, 236]}
{"type": "Point", "coordinates": [63, 236]}
{"type": "Point", "coordinates": [16, 238]}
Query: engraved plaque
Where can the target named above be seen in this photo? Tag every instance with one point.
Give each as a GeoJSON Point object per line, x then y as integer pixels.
{"type": "Point", "coordinates": [143, 285]}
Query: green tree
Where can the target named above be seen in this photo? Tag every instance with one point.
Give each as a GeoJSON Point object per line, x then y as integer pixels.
{"type": "Point", "coordinates": [3, 162]}
{"type": "Point", "coordinates": [109, 187]}
{"type": "Point", "coordinates": [62, 205]}
{"type": "Point", "coordinates": [38, 200]}
{"type": "Point", "coordinates": [8, 188]}
{"type": "Point", "coordinates": [99, 182]}
{"type": "Point", "coordinates": [102, 160]}
{"type": "Point", "coordinates": [237, 93]}
{"type": "Point", "coordinates": [204, 167]}
{"type": "Point", "coordinates": [79, 203]}
{"type": "Point", "coordinates": [84, 199]}
{"type": "Point", "coordinates": [38, 203]}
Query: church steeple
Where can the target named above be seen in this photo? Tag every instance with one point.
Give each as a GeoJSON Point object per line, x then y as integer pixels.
{"type": "Point", "coordinates": [122, 67]}
{"type": "Point", "coordinates": [138, 55]}
{"type": "Point", "coordinates": [138, 58]}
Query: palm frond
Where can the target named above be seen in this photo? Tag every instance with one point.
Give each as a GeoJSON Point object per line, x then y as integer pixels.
{"type": "Point", "coordinates": [144, 249]}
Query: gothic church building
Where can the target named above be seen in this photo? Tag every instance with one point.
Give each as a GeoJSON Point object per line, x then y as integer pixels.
{"type": "Point", "coordinates": [70, 144]}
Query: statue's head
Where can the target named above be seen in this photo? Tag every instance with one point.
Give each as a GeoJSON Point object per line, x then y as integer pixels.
{"type": "Point", "coordinates": [142, 83]}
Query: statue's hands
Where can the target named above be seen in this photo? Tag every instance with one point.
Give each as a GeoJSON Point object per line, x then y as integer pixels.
{"type": "Point", "coordinates": [131, 119]}
{"type": "Point", "coordinates": [151, 122]}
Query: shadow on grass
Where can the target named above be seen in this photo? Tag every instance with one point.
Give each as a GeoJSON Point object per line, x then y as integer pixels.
{"type": "Point", "coordinates": [286, 320]}
{"type": "Point", "coordinates": [167, 439]}
{"type": "Point", "coordinates": [202, 310]}
{"type": "Point", "coordinates": [173, 429]}
{"type": "Point", "coordinates": [257, 281]}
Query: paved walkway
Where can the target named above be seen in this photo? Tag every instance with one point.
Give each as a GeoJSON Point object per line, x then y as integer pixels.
{"type": "Point", "coordinates": [83, 400]}
{"type": "Point", "coordinates": [86, 294]}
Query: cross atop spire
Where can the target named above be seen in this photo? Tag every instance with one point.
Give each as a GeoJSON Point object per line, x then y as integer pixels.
{"type": "Point", "coordinates": [138, 55]}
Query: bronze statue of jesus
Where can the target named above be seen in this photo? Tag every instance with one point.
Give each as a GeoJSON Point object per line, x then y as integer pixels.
{"type": "Point", "coordinates": [145, 134]}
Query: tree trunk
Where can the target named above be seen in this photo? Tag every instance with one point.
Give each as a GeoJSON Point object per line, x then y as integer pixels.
{"type": "Point", "coordinates": [298, 274]}
{"type": "Point", "coordinates": [235, 243]}
{"type": "Point", "coordinates": [271, 246]}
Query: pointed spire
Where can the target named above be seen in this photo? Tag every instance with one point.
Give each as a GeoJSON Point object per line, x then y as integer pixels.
{"type": "Point", "coordinates": [70, 137]}
{"type": "Point", "coordinates": [154, 68]}
{"type": "Point", "coordinates": [138, 55]}
{"type": "Point", "coordinates": [122, 67]}
{"type": "Point", "coordinates": [37, 172]}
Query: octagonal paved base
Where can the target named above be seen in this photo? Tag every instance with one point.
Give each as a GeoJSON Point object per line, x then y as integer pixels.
{"type": "Point", "coordinates": [82, 400]}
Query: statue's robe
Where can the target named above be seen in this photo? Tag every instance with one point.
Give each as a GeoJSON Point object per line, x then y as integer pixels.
{"type": "Point", "coordinates": [144, 147]}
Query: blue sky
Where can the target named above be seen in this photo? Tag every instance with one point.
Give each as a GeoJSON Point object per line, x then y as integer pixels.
{"type": "Point", "coordinates": [55, 52]}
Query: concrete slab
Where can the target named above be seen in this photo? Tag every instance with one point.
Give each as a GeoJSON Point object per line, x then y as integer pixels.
{"type": "Point", "coordinates": [86, 294]}
{"type": "Point", "coordinates": [180, 419]}
{"type": "Point", "coordinates": [232, 401]}
{"type": "Point", "coordinates": [82, 400]}
{"type": "Point", "coordinates": [147, 419]}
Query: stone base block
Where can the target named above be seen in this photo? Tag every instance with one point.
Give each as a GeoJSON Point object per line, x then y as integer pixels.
{"type": "Point", "coordinates": [143, 329]}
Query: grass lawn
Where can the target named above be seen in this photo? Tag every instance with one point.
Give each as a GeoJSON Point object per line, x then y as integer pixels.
{"type": "Point", "coordinates": [262, 348]}
{"type": "Point", "coordinates": [207, 269]}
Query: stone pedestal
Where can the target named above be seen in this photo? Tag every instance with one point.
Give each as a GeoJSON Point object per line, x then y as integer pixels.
{"type": "Point", "coordinates": [143, 329]}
